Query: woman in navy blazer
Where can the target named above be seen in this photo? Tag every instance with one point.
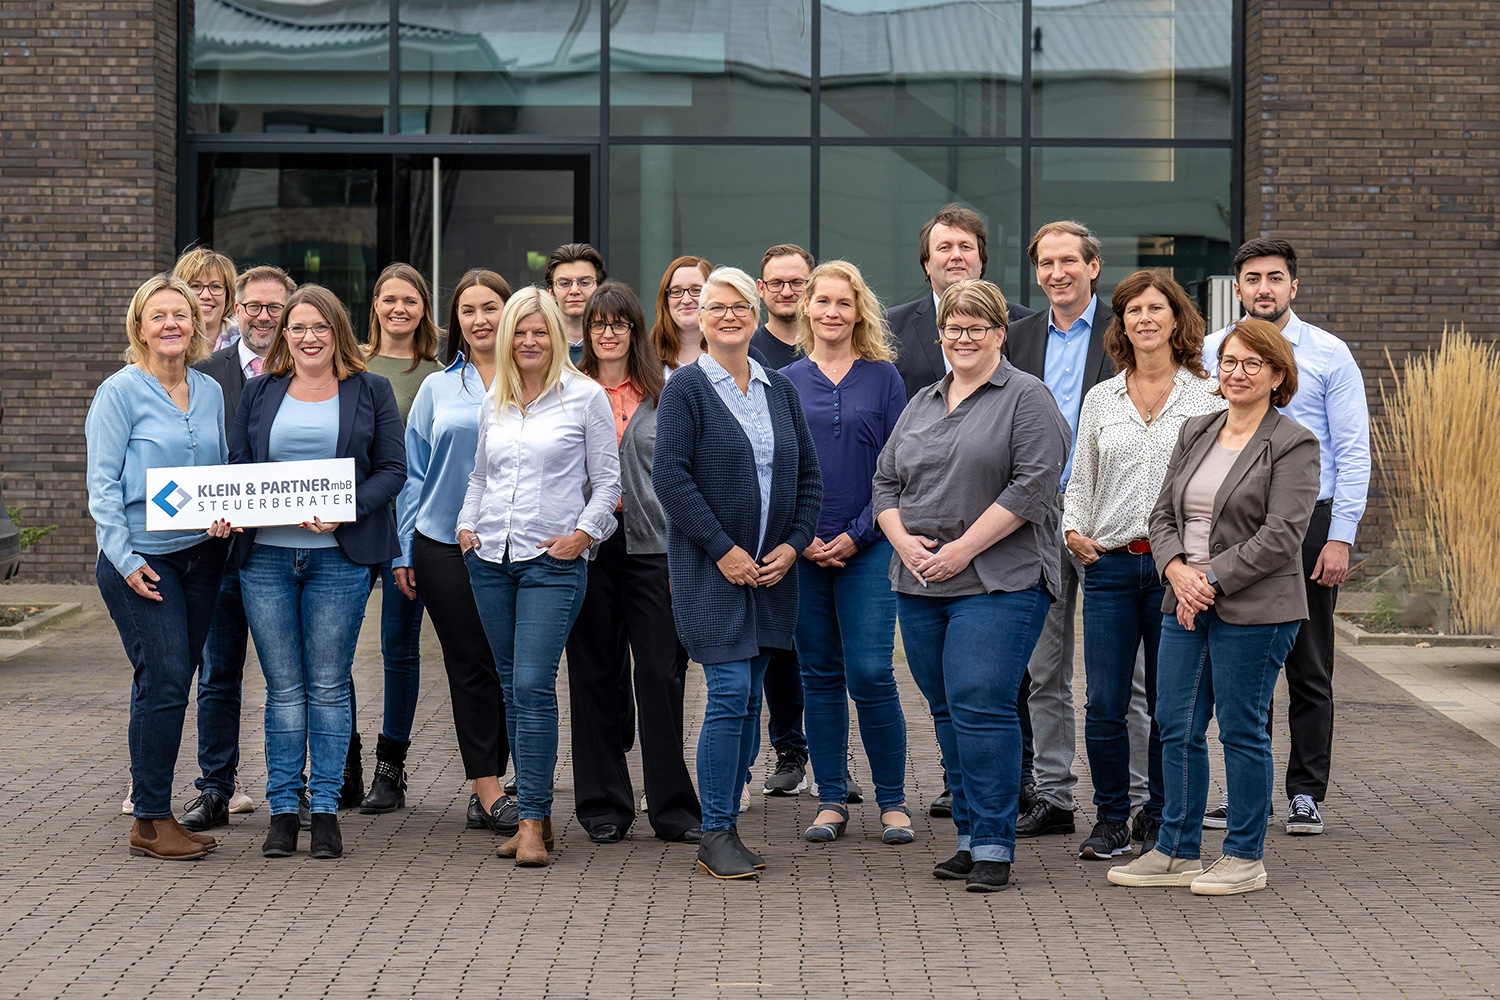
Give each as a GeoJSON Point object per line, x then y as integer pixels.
{"type": "Point", "coordinates": [305, 585]}
{"type": "Point", "coordinates": [738, 479]}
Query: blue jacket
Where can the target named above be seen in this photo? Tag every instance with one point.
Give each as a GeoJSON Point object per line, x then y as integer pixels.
{"type": "Point", "coordinates": [370, 432]}
{"type": "Point", "coordinates": [704, 475]}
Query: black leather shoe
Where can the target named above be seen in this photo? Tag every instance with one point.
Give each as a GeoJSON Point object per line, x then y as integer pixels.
{"type": "Point", "coordinates": [205, 812]}
{"type": "Point", "coordinates": [1044, 818]}
{"type": "Point", "coordinates": [509, 788]}
{"type": "Point", "coordinates": [353, 792]}
{"type": "Point", "coordinates": [474, 818]}
{"type": "Point", "coordinates": [720, 856]}
{"type": "Point", "coordinates": [504, 816]}
{"type": "Point", "coordinates": [327, 840]}
{"type": "Point", "coordinates": [988, 876]}
{"type": "Point", "coordinates": [304, 810]}
{"type": "Point", "coordinates": [943, 804]}
{"type": "Point", "coordinates": [606, 833]}
{"type": "Point", "coordinates": [756, 861]}
{"type": "Point", "coordinates": [955, 867]}
{"type": "Point", "coordinates": [1027, 800]}
{"type": "Point", "coordinates": [281, 838]}
{"type": "Point", "coordinates": [692, 835]}
{"type": "Point", "coordinates": [388, 788]}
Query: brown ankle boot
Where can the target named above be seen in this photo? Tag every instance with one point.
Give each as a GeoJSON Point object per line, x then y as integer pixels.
{"type": "Point", "coordinates": [163, 839]}
{"type": "Point", "coordinates": [532, 842]}
{"type": "Point", "coordinates": [209, 843]}
{"type": "Point", "coordinates": [508, 849]}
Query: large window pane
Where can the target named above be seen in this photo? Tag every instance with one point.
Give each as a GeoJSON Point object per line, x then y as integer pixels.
{"type": "Point", "coordinates": [726, 203]}
{"type": "Point", "coordinates": [500, 66]}
{"type": "Point", "coordinates": [875, 200]}
{"type": "Point", "coordinates": [921, 68]}
{"type": "Point", "coordinates": [1132, 69]}
{"type": "Point", "coordinates": [290, 66]}
{"type": "Point", "coordinates": [1167, 208]}
{"type": "Point", "coordinates": [711, 67]}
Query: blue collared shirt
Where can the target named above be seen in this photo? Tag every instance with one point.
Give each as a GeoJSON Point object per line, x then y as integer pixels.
{"type": "Point", "coordinates": [753, 411]}
{"type": "Point", "coordinates": [1330, 402]}
{"type": "Point", "coordinates": [132, 426]}
{"type": "Point", "coordinates": [1067, 353]}
{"type": "Point", "coordinates": [442, 434]}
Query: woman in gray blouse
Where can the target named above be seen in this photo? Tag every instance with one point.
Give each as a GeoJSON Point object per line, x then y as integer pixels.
{"type": "Point", "coordinates": [1226, 534]}
{"type": "Point", "coordinates": [966, 493]}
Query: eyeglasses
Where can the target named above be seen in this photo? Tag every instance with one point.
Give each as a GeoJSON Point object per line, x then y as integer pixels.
{"type": "Point", "coordinates": [975, 333]}
{"type": "Point", "coordinates": [321, 329]}
{"type": "Point", "coordinates": [677, 293]}
{"type": "Point", "coordinates": [566, 284]}
{"type": "Point", "coordinates": [216, 289]}
{"type": "Point", "coordinates": [271, 309]}
{"type": "Point", "coordinates": [796, 284]}
{"type": "Point", "coordinates": [617, 327]}
{"type": "Point", "coordinates": [1229, 364]}
{"type": "Point", "coordinates": [740, 310]}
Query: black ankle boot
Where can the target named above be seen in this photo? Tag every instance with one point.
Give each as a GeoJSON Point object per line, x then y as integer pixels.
{"type": "Point", "coordinates": [720, 856]}
{"type": "Point", "coordinates": [327, 841]}
{"type": "Point", "coordinates": [281, 839]}
{"type": "Point", "coordinates": [353, 792]}
{"type": "Point", "coordinates": [388, 788]}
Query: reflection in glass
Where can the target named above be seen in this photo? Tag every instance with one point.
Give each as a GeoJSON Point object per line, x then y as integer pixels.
{"type": "Point", "coordinates": [1151, 208]}
{"type": "Point", "coordinates": [289, 66]}
{"type": "Point", "coordinates": [1136, 69]}
{"type": "Point", "coordinates": [710, 67]}
{"type": "Point", "coordinates": [499, 67]}
{"type": "Point", "coordinates": [921, 68]}
{"type": "Point", "coordinates": [725, 203]}
{"type": "Point", "coordinates": [875, 200]}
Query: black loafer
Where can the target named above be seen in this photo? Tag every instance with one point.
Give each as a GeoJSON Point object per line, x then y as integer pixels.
{"type": "Point", "coordinates": [957, 867]}
{"type": "Point", "coordinates": [281, 838]}
{"type": "Point", "coordinates": [1027, 800]}
{"type": "Point", "coordinates": [606, 833]}
{"type": "Point", "coordinates": [504, 816]}
{"type": "Point", "coordinates": [474, 818]}
{"type": "Point", "coordinates": [205, 812]}
{"type": "Point", "coordinates": [943, 804]}
{"type": "Point", "coordinates": [988, 876]}
{"type": "Point", "coordinates": [1042, 819]}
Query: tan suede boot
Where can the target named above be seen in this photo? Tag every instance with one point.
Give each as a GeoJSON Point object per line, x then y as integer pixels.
{"type": "Point", "coordinates": [163, 839]}
{"type": "Point", "coordinates": [508, 849]}
{"type": "Point", "coordinates": [209, 843]}
{"type": "Point", "coordinates": [531, 850]}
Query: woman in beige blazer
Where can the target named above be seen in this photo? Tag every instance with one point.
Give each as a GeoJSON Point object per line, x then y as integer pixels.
{"type": "Point", "coordinates": [1226, 536]}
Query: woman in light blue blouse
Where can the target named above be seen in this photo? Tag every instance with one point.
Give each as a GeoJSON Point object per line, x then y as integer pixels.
{"type": "Point", "coordinates": [442, 433]}
{"type": "Point", "coordinates": [160, 588]}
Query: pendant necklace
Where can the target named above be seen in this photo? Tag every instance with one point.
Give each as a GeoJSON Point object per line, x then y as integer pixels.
{"type": "Point", "coordinates": [1151, 411]}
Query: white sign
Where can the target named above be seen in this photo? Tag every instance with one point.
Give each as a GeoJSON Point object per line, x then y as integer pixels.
{"type": "Point", "coordinates": [249, 496]}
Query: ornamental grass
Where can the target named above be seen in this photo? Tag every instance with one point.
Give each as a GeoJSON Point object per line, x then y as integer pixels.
{"type": "Point", "coordinates": [1438, 453]}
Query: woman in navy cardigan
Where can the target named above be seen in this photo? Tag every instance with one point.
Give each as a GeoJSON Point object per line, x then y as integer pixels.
{"type": "Point", "coordinates": [305, 585]}
{"type": "Point", "coordinates": [738, 479]}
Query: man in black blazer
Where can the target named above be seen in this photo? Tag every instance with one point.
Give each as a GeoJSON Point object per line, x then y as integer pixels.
{"type": "Point", "coordinates": [260, 297]}
{"type": "Point", "coordinates": [951, 247]}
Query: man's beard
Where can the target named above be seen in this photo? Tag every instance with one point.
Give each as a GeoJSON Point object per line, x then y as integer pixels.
{"type": "Point", "coordinates": [1276, 311]}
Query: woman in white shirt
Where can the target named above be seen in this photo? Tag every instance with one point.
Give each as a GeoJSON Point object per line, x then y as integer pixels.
{"type": "Point", "coordinates": [542, 494]}
{"type": "Point", "coordinates": [1127, 428]}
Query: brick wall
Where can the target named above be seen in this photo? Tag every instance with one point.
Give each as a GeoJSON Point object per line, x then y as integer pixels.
{"type": "Point", "coordinates": [88, 104]}
{"type": "Point", "coordinates": [1372, 142]}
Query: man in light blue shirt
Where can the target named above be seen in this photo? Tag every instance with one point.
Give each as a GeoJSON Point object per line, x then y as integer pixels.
{"type": "Point", "coordinates": [1330, 402]}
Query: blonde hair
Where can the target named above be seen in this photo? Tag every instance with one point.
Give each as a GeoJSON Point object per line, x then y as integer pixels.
{"type": "Point", "coordinates": [194, 262]}
{"type": "Point", "coordinates": [198, 346]}
{"type": "Point", "coordinates": [507, 383]}
{"type": "Point", "coordinates": [348, 356]}
{"type": "Point", "coordinates": [872, 336]}
{"type": "Point", "coordinates": [974, 297]}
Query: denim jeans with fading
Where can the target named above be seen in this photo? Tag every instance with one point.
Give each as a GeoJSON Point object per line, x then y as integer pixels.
{"type": "Point", "coordinates": [730, 737]}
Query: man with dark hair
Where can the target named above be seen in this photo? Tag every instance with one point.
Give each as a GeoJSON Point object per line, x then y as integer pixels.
{"type": "Point", "coordinates": [1330, 402]}
{"type": "Point", "coordinates": [574, 270]}
{"type": "Point", "coordinates": [784, 270]}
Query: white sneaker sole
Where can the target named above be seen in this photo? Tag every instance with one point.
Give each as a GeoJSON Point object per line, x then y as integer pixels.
{"type": "Point", "coordinates": [1215, 822]}
{"type": "Point", "coordinates": [1089, 852]}
{"type": "Point", "coordinates": [127, 808]}
{"type": "Point", "coordinates": [1228, 888]}
{"type": "Point", "coordinates": [1119, 876]}
{"type": "Point", "coordinates": [1304, 829]}
{"type": "Point", "coordinates": [768, 790]}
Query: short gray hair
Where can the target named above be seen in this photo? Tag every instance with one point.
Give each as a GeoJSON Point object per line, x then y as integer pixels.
{"type": "Point", "coordinates": [739, 281]}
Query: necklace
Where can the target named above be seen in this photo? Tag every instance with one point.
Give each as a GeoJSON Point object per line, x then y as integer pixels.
{"type": "Point", "coordinates": [1151, 411]}
{"type": "Point", "coordinates": [159, 381]}
{"type": "Point", "coordinates": [319, 388]}
{"type": "Point", "coordinates": [832, 370]}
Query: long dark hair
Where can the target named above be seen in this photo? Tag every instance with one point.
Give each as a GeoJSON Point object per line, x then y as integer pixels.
{"type": "Point", "coordinates": [1188, 325]}
{"type": "Point", "coordinates": [616, 301]}
{"type": "Point", "coordinates": [474, 276]}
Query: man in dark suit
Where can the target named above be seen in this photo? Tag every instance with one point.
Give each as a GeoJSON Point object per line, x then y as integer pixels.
{"type": "Point", "coordinates": [260, 298]}
{"type": "Point", "coordinates": [951, 248]}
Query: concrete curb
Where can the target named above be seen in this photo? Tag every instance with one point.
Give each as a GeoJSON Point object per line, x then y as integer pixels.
{"type": "Point", "coordinates": [1352, 634]}
{"type": "Point", "coordinates": [53, 614]}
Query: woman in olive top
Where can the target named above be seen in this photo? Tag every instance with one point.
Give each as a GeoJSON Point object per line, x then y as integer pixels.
{"type": "Point", "coordinates": [404, 341]}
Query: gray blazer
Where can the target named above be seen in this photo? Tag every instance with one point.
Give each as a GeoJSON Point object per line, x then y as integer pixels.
{"type": "Point", "coordinates": [1260, 514]}
{"type": "Point", "coordinates": [645, 523]}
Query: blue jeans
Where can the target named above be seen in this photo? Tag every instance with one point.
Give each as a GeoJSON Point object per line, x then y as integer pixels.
{"type": "Point", "coordinates": [968, 655]}
{"type": "Point", "coordinates": [164, 642]}
{"type": "Point", "coordinates": [730, 737]}
{"type": "Point", "coordinates": [528, 609]}
{"type": "Point", "coordinates": [401, 649]}
{"type": "Point", "coordinates": [1122, 596]}
{"type": "Point", "coordinates": [305, 608]}
{"type": "Point", "coordinates": [220, 681]}
{"type": "Point", "coordinates": [1231, 670]}
{"type": "Point", "coordinates": [846, 636]}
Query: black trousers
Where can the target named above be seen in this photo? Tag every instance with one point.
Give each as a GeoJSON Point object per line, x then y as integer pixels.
{"type": "Point", "coordinates": [627, 607]}
{"type": "Point", "coordinates": [782, 694]}
{"type": "Point", "coordinates": [473, 682]}
{"type": "Point", "coordinates": [1309, 674]}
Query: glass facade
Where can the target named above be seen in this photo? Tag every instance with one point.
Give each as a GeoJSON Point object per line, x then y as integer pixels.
{"type": "Point", "coordinates": [333, 137]}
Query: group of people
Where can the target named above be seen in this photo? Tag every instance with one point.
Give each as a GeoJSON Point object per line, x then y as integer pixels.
{"type": "Point", "coordinates": [767, 498]}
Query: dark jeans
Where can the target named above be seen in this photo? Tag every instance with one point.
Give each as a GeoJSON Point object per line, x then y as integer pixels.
{"type": "Point", "coordinates": [1122, 596]}
{"type": "Point", "coordinates": [968, 655]}
{"type": "Point", "coordinates": [627, 615]}
{"type": "Point", "coordinates": [401, 649]}
{"type": "Point", "coordinates": [783, 698]}
{"type": "Point", "coordinates": [528, 608]}
{"type": "Point", "coordinates": [1228, 670]}
{"type": "Point", "coordinates": [473, 681]}
{"type": "Point", "coordinates": [1309, 674]}
{"type": "Point", "coordinates": [164, 643]}
{"type": "Point", "coordinates": [730, 737]}
{"type": "Point", "coordinates": [220, 680]}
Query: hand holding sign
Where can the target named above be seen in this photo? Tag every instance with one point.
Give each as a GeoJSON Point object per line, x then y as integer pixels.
{"type": "Point", "coordinates": [318, 495]}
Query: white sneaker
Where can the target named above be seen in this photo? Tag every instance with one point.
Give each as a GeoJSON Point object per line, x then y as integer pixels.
{"type": "Point", "coordinates": [745, 799]}
{"type": "Point", "coordinates": [240, 801]}
{"type": "Point", "coordinates": [127, 808]}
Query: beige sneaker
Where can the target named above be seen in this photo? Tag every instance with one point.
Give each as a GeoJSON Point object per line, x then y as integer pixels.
{"type": "Point", "coordinates": [127, 807]}
{"type": "Point", "coordinates": [1229, 877]}
{"type": "Point", "coordinates": [240, 801]}
{"type": "Point", "coordinates": [1156, 868]}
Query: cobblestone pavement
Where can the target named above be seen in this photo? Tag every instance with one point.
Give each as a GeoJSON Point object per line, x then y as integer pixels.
{"type": "Point", "coordinates": [1401, 898]}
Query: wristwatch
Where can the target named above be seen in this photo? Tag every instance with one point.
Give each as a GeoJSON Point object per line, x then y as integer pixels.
{"type": "Point", "coordinates": [1213, 581]}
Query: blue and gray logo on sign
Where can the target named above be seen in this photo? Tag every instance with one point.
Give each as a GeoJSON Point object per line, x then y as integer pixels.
{"type": "Point", "coordinates": [172, 498]}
